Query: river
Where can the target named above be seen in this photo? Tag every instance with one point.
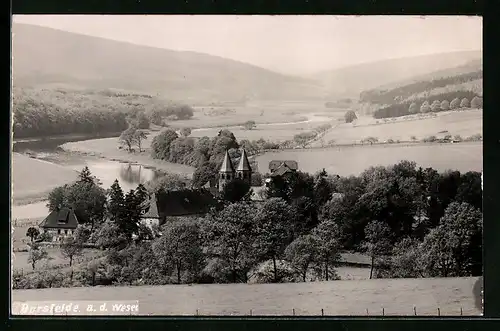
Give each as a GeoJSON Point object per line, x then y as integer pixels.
{"type": "Point", "coordinates": [128, 175]}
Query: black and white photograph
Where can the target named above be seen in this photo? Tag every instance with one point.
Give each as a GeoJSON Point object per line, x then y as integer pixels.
{"type": "Point", "coordinates": [232, 165]}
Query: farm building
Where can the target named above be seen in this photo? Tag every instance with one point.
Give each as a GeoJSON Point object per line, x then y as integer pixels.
{"type": "Point", "coordinates": [151, 216]}
{"type": "Point", "coordinates": [281, 168]}
{"type": "Point", "coordinates": [60, 223]}
{"type": "Point", "coordinates": [195, 202]}
{"type": "Point", "coordinates": [182, 203]}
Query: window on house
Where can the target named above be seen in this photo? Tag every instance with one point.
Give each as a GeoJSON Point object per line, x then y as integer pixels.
{"type": "Point", "coordinates": [65, 231]}
{"type": "Point", "coordinates": [59, 231]}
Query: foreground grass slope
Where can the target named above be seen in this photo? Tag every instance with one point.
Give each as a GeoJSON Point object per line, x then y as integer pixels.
{"type": "Point", "coordinates": [396, 296]}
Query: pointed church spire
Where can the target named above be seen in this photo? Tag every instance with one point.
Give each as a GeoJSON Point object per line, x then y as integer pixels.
{"type": "Point", "coordinates": [244, 165]}
{"type": "Point", "coordinates": [227, 165]}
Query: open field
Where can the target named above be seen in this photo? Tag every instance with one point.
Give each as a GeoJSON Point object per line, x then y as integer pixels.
{"type": "Point", "coordinates": [108, 147]}
{"type": "Point", "coordinates": [352, 160]}
{"type": "Point", "coordinates": [32, 178]}
{"type": "Point", "coordinates": [262, 113]}
{"type": "Point", "coordinates": [463, 123]}
{"type": "Point", "coordinates": [275, 131]}
{"type": "Point", "coordinates": [19, 238]}
{"type": "Point", "coordinates": [396, 296]}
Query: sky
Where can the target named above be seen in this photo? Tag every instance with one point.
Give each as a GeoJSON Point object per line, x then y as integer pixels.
{"type": "Point", "coordinates": [286, 44]}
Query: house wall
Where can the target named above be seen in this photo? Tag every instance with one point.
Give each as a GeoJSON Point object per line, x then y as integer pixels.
{"type": "Point", "coordinates": [58, 234]}
{"type": "Point", "coordinates": [150, 222]}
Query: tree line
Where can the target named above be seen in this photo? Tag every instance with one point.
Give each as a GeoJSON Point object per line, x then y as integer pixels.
{"type": "Point", "coordinates": [38, 118]}
{"type": "Point", "coordinates": [412, 222]}
{"type": "Point", "coordinates": [384, 97]}
{"type": "Point", "coordinates": [206, 154]}
{"type": "Point", "coordinates": [57, 112]}
{"type": "Point", "coordinates": [435, 103]}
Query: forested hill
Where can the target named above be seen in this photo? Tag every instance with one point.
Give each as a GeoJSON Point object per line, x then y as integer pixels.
{"type": "Point", "coordinates": [350, 81]}
{"type": "Point", "coordinates": [459, 87]}
{"type": "Point", "coordinates": [44, 57]}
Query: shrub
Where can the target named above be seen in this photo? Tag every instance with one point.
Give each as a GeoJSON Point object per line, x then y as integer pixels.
{"type": "Point", "coordinates": [425, 107]}
{"type": "Point", "coordinates": [264, 273]}
{"type": "Point", "coordinates": [464, 103]}
{"type": "Point", "coordinates": [350, 116]}
{"type": "Point", "coordinates": [476, 102]}
{"type": "Point", "coordinates": [445, 105]}
{"type": "Point", "coordinates": [413, 109]}
{"type": "Point", "coordinates": [429, 139]}
{"type": "Point", "coordinates": [476, 137]}
{"type": "Point", "coordinates": [455, 103]}
{"type": "Point", "coordinates": [436, 106]}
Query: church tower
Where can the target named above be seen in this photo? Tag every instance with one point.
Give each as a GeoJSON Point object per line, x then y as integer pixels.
{"type": "Point", "coordinates": [244, 171]}
{"type": "Point", "coordinates": [226, 172]}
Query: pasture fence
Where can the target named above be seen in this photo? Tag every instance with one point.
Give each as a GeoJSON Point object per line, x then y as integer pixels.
{"type": "Point", "coordinates": [321, 312]}
{"type": "Point", "coordinates": [382, 312]}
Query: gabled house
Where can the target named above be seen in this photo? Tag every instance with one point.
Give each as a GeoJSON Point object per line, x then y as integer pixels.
{"type": "Point", "coordinates": [281, 168]}
{"type": "Point", "coordinates": [151, 216]}
{"type": "Point", "coordinates": [61, 223]}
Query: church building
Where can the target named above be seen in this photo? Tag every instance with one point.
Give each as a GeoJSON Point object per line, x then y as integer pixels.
{"type": "Point", "coordinates": [227, 171]}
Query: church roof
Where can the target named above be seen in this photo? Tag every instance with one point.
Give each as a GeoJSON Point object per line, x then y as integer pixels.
{"type": "Point", "coordinates": [281, 170]}
{"type": "Point", "coordinates": [227, 165]}
{"type": "Point", "coordinates": [244, 164]}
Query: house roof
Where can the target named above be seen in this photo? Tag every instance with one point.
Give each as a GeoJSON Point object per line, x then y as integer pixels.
{"type": "Point", "coordinates": [184, 202]}
{"type": "Point", "coordinates": [281, 170]}
{"type": "Point", "coordinates": [244, 165]}
{"type": "Point", "coordinates": [227, 165]}
{"type": "Point", "coordinates": [63, 218]}
{"type": "Point", "coordinates": [152, 211]}
{"type": "Point", "coordinates": [275, 164]}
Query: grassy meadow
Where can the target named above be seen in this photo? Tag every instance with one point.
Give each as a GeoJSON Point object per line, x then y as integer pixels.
{"type": "Point", "coordinates": [352, 160]}
{"type": "Point", "coordinates": [277, 131]}
{"type": "Point", "coordinates": [20, 259]}
{"type": "Point", "coordinates": [352, 297]}
{"type": "Point", "coordinates": [464, 123]}
{"type": "Point", "coordinates": [261, 113]}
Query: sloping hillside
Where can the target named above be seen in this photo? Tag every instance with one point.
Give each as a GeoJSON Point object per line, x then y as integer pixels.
{"type": "Point", "coordinates": [441, 90]}
{"type": "Point", "coordinates": [350, 81]}
{"type": "Point", "coordinates": [44, 57]}
{"type": "Point", "coordinates": [452, 296]}
{"type": "Point", "coordinates": [471, 66]}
